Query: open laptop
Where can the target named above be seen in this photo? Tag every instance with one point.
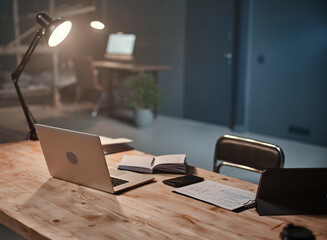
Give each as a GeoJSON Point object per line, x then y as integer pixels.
{"type": "Point", "coordinates": [292, 191]}
{"type": "Point", "coordinates": [78, 158]}
{"type": "Point", "coordinates": [120, 46]}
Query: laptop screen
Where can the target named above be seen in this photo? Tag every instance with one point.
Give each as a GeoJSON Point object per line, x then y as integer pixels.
{"type": "Point", "coordinates": [122, 44]}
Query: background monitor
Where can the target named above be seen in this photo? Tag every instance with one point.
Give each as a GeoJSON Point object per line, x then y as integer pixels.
{"type": "Point", "coordinates": [120, 46]}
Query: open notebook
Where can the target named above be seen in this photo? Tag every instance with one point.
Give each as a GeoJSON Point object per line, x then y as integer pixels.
{"type": "Point", "coordinates": [148, 164]}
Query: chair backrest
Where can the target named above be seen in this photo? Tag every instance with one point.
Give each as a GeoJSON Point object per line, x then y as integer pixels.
{"type": "Point", "coordinates": [247, 154]}
{"type": "Point", "coordinates": [85, 72]}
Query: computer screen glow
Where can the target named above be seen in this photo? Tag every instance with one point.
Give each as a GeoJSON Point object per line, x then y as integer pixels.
{"type": "Point", "coordinates": [121, 44]}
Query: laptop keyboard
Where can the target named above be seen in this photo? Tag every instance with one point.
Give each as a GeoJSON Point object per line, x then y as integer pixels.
{"type": "Point", "coordinates": [116, 181]}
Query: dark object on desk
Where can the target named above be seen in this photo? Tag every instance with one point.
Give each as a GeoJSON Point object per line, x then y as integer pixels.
{"type": "Point", "coordinates": [114, 148]}
{"type": "Point", "coordinates": [291, 232]}
{"type": "Point", "coordinates": [292, 191]}
{"type": "Point", "coordinates": [88, 80]}
{"type": "Point", "coordinates": [248, 154]}
{"type": "Point", "coordinates": [183, 181]}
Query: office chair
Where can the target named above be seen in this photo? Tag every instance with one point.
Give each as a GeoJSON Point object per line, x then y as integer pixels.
{"type": "Point", "coordinates": [247, 154]}
{"type": "Point", "coordinates": [88, 80]}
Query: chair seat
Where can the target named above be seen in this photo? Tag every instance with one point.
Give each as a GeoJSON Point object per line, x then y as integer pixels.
{"type": "Point", "coordinates": [88, 80]}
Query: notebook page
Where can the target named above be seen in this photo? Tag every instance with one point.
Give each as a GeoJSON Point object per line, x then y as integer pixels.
{"type": "Point", "coordinates": [170, 159]}
{"type": "Point", "coordinates": [136, 161]}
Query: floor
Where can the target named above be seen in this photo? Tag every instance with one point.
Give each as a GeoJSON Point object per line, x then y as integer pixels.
{"type": "Point", "coordinates": [167, 135]}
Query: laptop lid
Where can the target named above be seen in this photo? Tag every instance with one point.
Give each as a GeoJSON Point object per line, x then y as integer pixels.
{"type": "Point", "coordinates": [290, 191]}
{"type": "Point", "coordinates": [120, 46]}
{"type": "Point", "coordinates": [78, 158]}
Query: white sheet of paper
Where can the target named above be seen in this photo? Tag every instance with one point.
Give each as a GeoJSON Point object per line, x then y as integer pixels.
{"type": "Point", "coordinates": [218, 194]}
{"type": "Point", "coordinates": [108, 141]}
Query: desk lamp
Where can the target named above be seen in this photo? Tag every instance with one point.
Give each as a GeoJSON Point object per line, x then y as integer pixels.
{"type": "Point", "coordinates": [55, 31]}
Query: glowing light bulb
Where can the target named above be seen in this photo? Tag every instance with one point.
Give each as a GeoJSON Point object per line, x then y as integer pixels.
{"type": "Point", "coordinates": [97, 25]}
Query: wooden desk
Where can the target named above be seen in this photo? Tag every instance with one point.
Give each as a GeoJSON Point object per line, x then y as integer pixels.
{"type": "Point", "coordinates": [116, 77]}
{"type": "Point", "coordinates": [130, 66]}
{"type": "Point", "coordinates": [40, 207]}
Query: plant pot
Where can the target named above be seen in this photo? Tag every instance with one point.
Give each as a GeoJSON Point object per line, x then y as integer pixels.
{"type": "Point", "coordinates": [143, 117]}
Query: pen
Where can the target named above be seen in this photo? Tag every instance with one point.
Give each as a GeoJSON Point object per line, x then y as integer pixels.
{"type": "Point", "coordinates": [152, 162]}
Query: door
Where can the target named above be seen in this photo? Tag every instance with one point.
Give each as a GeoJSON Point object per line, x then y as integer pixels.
{"type": "Point", "coordinates": [289, 70]}
{"type": "Point", "coordinates": [209, 61]}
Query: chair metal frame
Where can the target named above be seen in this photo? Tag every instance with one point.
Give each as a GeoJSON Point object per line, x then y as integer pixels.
{"type": "Point", "coordinates": [244, 167]}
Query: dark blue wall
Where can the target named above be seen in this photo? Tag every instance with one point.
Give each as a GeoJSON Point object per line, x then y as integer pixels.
{"type": "Point", "coordinates": [159, 28]}
{"type": "Point", "coordinates": [281, 79]}
{"type": "Point", "coordinates": [288, 69]}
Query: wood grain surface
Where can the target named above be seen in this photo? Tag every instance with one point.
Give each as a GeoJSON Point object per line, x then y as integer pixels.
{"type": "Point", "coordinates": [37, 206]}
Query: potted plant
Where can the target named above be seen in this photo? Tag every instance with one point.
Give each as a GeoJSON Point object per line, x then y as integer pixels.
{"type": "Point", "coordinates": [144, 96]}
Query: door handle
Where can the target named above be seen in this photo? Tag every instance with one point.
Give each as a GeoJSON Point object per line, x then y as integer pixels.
{"type": "Point", "coordinates": [228, 56]}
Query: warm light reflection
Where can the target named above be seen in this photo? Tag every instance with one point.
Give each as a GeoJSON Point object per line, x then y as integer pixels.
{"type": "Point", "coordinates": [60, 33]}
{"type": "Point", "coordinates": [97, 25]}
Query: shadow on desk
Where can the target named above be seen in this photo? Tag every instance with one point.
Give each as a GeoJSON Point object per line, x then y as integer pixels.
{"type": "Point", "coordinates": [61, 204]}
{"type": "Point", "coordinates": [63, 201]}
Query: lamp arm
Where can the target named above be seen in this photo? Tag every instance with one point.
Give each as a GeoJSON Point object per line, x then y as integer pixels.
{"type": "Point", "coordinates": [18, 71]}
{"type": "Point", "coordinates": [15, 77]}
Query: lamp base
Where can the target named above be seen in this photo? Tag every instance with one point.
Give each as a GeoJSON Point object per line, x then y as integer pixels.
{"type": "Point", "coordinates": [32, 136]}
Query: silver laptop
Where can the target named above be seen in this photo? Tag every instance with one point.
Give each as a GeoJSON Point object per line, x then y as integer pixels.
{"type": "Point", "coordinates": [78, 158]}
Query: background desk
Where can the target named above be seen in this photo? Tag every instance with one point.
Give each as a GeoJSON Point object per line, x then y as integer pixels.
{"type": "Point", "coordinates": [130, 66]}
{"type": "Point", "coordinates": [40, 207]}
{"type": "Point", "coordinates": [118, 73]}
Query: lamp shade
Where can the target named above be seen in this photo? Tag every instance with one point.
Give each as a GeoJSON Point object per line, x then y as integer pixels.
{"type": "Point", "coordinates": [56, 30]}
